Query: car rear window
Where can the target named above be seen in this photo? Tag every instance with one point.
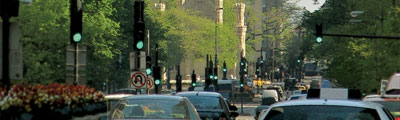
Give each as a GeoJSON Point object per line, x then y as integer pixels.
{"type": "Point", "coordinates": [151, 109]}
{"type": "Point", "coordinates": [315, 112]}
{"type": "Point", "coordinates": [205, 102]}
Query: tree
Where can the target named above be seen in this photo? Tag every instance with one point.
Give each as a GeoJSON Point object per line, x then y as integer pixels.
{"type": "Point", "coordinates": [355, 62]}
{"type": "Point", "coordinates": [45, 35]}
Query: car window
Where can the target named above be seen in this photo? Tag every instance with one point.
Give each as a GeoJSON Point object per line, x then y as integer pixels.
{"type": "Point", "coordinates": [192, 110]}
{"type": "Point", "coordinates": [392, 106]}
{"type": "Point", "coordinates": [268, 101]}
{"type": "Point", "coordinates": [205, 102]}
{"type": "Point", "coordinates": [387, 112]}
{"type": "Point", "coordinates": [321, 113]}
{"type": "Point", "coordinates": [152, 109]}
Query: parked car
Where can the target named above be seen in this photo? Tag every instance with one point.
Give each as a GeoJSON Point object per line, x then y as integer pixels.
{"type": "Point", "coordinates": [210, 105]}
{"type": "Point", "coordinates": [155, 107]}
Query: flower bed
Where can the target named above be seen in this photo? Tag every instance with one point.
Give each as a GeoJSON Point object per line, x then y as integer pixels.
{"type": "Point", "coordinates": [59, 101]}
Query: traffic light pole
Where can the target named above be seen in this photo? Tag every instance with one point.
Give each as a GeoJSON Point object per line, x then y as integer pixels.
{"type": "Point", "coordinates": [6, 52]}
{"type": "Point", "coordinates": [76, 64]}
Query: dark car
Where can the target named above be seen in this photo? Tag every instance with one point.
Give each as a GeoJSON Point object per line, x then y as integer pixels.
{"type": "Point", "coordinates": [125, 91]}
{"type": "Point", "coordinates": [210, 105]}
{"type": "Point", "coordinates": [265, 103]}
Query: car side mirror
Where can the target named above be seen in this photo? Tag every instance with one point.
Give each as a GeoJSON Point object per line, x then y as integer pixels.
{"type": "Point", "coordinates": [234, 114]}
{"type": "Point", "coordinates": [233, 108]}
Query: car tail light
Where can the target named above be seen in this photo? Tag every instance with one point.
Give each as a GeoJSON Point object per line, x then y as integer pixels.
{"type": "Point", "coordinates": [397, 118]}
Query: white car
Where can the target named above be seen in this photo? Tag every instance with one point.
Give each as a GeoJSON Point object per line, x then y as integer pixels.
{"type": "Point", "coordinates": [324, 109]}
{"type": "Point", "coordinates": [298, 97]}
{"type": "Point", "coordinates": [328, 104]}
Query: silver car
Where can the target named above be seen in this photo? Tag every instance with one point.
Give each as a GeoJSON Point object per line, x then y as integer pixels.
{"type": "Point", "coordinates": [155, 107]}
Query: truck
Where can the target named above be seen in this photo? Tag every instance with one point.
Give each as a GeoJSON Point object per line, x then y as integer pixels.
{"type": "Point", "coordinates": [225, 88]}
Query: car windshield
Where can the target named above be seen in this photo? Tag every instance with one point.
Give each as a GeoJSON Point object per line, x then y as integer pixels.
{"type": "Point", "coordinates": [205, 102]}
{"type": "Point", "coordinates": [152, 109]}
{"type": "Point", "coordinates": [318, 112]}
{"type": "Point", "coordinates": [392, 106]}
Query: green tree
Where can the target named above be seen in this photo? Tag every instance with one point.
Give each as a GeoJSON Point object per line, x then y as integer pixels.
{"type": "Point", "coordinates": [45, 35]}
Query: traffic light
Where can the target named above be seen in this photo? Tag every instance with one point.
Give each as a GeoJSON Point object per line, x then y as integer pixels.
{"type": "Point", "coordinates": [193, 79]}
{"type": "Point", "coordinates": [157, 76]}
{"type": "Point", "coordinates": [224, 71]}
{"type": "Point", "coordinates": [148, 65]}
{"type": "Point", "coordinates": [241, 87]}
{"type": "Point", "coordinates": [139, 27]}
{"type": "Point", "coordinates": [178, 80]}
{"type": "Point", "coordinates": [318, 34]}
{"type": "Point", "coordinates": [76, 21]}
{"type": "Point", "coordinates": [258, 67]}
{"type": "Point", "coordinates": [242, 72]}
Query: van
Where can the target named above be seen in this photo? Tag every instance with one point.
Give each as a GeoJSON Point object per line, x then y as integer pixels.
{"type": "Point", "coordinates": [270, 94]}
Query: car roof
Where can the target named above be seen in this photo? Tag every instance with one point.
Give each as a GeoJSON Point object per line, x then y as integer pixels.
{"type": "Point", "coordinates": [153, 97]}
{"type": "Point", "coordinates": [349, 103]}
{"type": "Point", "coordinates": [199, 93]}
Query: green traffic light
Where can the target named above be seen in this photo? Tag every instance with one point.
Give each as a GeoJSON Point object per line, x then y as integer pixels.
{"type": "Point", "coordinates": [148, 71]}
{"type": "Point", "coordinates": [194, 84]}
{"type": "Point", "coordinates": [241, 85]}
{"type": "Point", "coordinates": [215, 77]}
{"type": "Point", "coordinates": [319, 39]}
{"type": "Point", "coordinates": [224, 69]}
{"type": "Point", "coordinates": [139, 45]}
{"type": "Point", "coordinates": [262, 61]}
{"type": "Point", "coordinates": [157, 82]}
{"type": "Point", "coordinates": [211, 77]}
{"type": "Point", "coordinates": [298, 61]}
{"type": "Point", "coordinates": [77, 37]}
{"type": "Point", "coordinates": [241, 63]}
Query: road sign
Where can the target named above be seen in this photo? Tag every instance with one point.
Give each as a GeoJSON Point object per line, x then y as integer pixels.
{"type": "Point", "coordinates": [138, 79]}
{"type": "Point", "coordinates": [150, 83]}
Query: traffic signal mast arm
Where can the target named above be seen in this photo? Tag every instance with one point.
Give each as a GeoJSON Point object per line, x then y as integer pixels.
{"type": "Point", "coordinates": [319, 35]}
{"type": "Point", "coordinates": [360, 36]}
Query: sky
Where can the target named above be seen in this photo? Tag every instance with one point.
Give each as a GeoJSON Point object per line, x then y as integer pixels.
{"type": "Point", "coordinates": [309, 4]}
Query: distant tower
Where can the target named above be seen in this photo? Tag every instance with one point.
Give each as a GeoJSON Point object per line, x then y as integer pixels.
{"type": "Point", "coordinates": [241, 28]}
{"type": "Point", "coordinates": [220, 11]}
{"type": "Point", "coordinates": [181, 2]}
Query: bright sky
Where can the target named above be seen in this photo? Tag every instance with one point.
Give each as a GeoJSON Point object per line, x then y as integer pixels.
{"type": "Point", "coordinates": [309, 4]}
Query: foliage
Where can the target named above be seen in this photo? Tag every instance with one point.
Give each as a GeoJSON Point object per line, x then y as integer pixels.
{"type": "Point", "coordinates": [185, 34]}
{"type": "Point", "coordinates": [355, 62]}
{"type": "Point", "coordinates": [56, 100]}
{"type": "Point", "coordinates": [45, 31]}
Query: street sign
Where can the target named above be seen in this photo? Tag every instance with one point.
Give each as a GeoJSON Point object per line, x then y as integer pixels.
{"type": "Point", "coordinates": [150, 83]}
{"type": "Point", "coordinates": [138, 79]}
